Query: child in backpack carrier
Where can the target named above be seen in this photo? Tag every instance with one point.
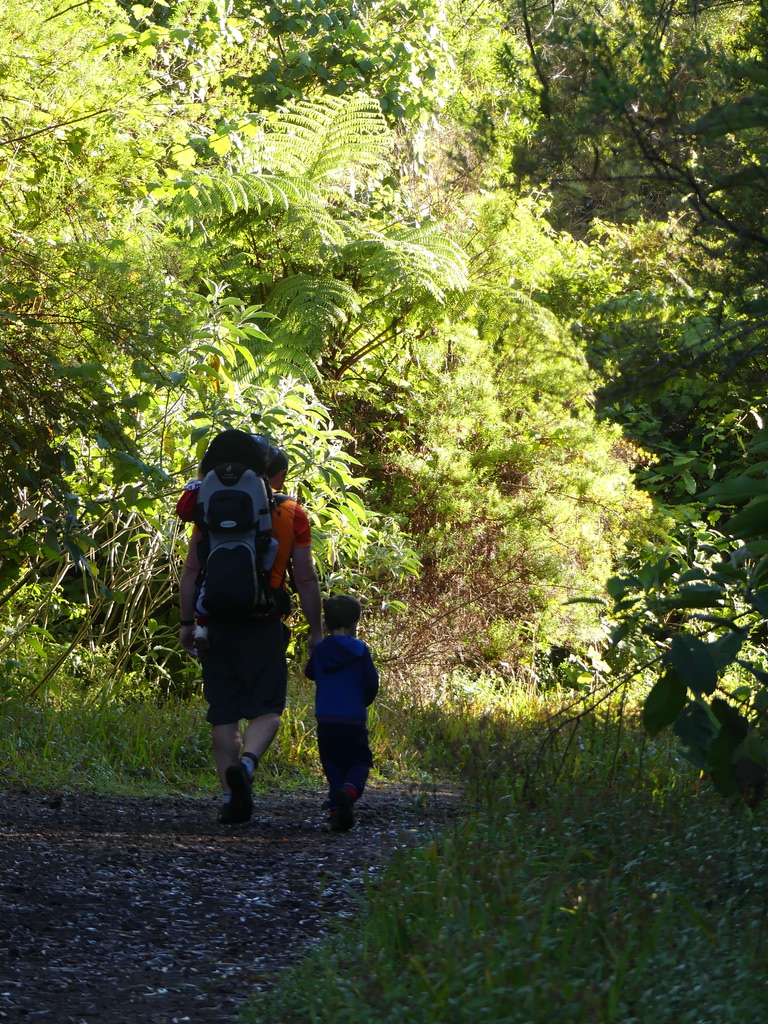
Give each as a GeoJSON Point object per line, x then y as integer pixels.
{"type": "Point", "coordinates": [346, 682]}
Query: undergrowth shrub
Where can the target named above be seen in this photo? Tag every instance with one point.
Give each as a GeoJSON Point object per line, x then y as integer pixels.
{"type": "Point", "coordinates": [603, 895]}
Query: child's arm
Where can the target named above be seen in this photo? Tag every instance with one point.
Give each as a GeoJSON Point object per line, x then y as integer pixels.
{"type": "Point", "coordinates": [309, 668]}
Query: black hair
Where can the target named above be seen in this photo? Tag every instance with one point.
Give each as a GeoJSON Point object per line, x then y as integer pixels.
{"type": "Point", "coordinates": [278, 463]}
{"type": "Point", "coordinates": [342, 611]}
{"type": "Point", "coordinates": [251, 450]}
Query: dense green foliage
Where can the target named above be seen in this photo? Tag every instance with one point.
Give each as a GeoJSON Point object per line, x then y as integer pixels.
{"type": "Point", "coordinates": [495, 278]}
{"type": "Point", "coordinates": [472, 268]}
{"type": "Point", "coordinates": [181, 250]}
{"type": "Point", "coordinates": [681, 354]}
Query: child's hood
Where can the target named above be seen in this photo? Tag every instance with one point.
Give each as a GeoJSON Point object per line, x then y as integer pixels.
{"type": "Point", "coordinates": [337, 651]}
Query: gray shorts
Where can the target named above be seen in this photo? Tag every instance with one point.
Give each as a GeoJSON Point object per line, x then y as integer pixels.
{"type": "Point", "coordinates": [245, 674]}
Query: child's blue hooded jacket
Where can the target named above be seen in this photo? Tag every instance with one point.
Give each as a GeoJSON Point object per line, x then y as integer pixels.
{"type": "Point", "coordinates": [345, 677]}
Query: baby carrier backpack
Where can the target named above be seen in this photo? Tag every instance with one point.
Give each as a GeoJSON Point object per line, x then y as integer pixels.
{"type": "Point", "coordinates": [234, 514]}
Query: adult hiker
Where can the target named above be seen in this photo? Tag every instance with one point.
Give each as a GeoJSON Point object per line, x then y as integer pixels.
{"type": "Point", "coordinates": [244, 667]}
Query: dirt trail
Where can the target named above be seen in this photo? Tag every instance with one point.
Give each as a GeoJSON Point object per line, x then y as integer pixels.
{"type": "Point", "coordinates": [145, 911]}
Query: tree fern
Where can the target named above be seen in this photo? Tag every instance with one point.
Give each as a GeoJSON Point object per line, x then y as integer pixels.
{"type": "Point", "coordinates": [504, 314]}
{"type": "Point", "coordinates": [400, 281]}
{"type": "Point", "coordinates": [310, 310]}
{"type": "Point", "coordinates": [325, 138]}
{"type": "Point", "coordinates": [410, 262]}
{"type": "Point", "coordinates": [312, 226]}
{"type": "Point", "coordinates": [313, 148]}
{"type": "Point", "coordinates": [285, 357]}
{"type": "Point", "coordinates": [302, 297]}
{"type": "Point", "coordinates": [199, 197]}
{"type": "Point", "coordinates": [288, 197]}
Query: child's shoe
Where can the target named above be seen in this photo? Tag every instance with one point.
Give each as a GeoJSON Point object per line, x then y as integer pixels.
{"type": "Point", "coordinates": [202, 643]}
{"type": "Point", "coordinates": [343, 819]}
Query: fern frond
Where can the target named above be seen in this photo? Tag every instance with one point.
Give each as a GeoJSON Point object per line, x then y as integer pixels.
{"type": "Point", "coordinates": [323, 301]}
{"type": "Point", "coordinates": [274, 362]}
{"type": "Point", "coordinates": [315, 147]}
{"type": "Point", "coordinates": [413, 261]}
{"type": "Point", "coordinates": [310, 310]}
{"type": "Point", "coordinates": [316, 225]}
{"type": "Point", "coordinates": [199, 197]}
{"type": "Point", "coordinates": [500, 314]}
{"type": "Point", "coordinates": [325, 137]}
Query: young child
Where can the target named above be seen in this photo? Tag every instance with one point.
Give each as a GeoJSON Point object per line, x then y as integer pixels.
{"type": "Point", "coordinates": [346, 682]}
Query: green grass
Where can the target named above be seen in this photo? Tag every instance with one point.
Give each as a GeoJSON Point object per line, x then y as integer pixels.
{"type": "Point", "coordinates": [105, 749]}
{"type": "Point", "coordinates": [73, 738]}
{"type": "Point", "coordinates": [590, 880]}
{"type": "Point", "coordinates": [608, 905]}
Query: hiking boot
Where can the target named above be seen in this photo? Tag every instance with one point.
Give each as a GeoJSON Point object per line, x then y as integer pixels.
{"type": "Point", "coordinates": [227, 817]}
{"type": "Point", "coordinates": [241, 804]}
{"type": "Point", "coordinates": [344, 819]}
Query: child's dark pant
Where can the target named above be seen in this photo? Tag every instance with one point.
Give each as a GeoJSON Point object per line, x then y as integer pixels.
{"type": "Point", "coordinates": [345, 756]}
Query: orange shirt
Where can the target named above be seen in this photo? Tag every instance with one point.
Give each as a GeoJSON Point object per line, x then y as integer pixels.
{"type": "Point", "coordinates": [290, 527]}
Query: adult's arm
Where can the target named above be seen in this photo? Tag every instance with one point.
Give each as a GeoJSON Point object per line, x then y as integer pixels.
{"type": "Point", "coordinates": [308, 589]}
{"type": "Point", "coordinates": [188, 592]}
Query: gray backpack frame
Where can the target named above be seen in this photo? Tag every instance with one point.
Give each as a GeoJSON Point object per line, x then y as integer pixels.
{"type": "Point", "coordinates": [234, 513]}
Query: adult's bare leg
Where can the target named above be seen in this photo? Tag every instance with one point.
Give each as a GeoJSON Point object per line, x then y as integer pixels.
{"type": "Point", "coordinates": [259, 734]}
{"type": "Point", "coordinates": [227, 742]}
{"type": "Point", "coordinates": [226, 748]}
